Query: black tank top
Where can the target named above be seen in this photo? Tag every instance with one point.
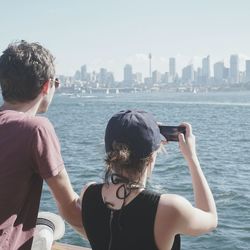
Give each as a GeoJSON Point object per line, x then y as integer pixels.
{"type": "Point", "coordinates": [131, 228]}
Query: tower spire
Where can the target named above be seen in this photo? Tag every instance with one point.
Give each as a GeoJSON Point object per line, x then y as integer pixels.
{"type": "Point", "coordinates": [150, 71]}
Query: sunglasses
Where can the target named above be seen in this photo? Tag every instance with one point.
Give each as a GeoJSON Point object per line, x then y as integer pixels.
{"type": "Point", "coordinates": [56, 82]}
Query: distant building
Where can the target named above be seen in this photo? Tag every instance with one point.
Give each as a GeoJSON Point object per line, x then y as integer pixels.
{"type": "Point", "coordinates": [156, 77]}
{"type": "Point", "coordinates": [138, 77]}
{"type": "Point", "coordinates": [234, 69]}
{"type": "Point", "coordinates": [77, 76]}
{"type": "Point", "coordinates": [128, 74]}
{"type": "Point", "coordinates": [93, 77]}
{"type": "Point", "coordinates": [219, 72]}
{"type": "Point", "coordinates": [188, 74]}
{"type": "Point", "coordinates": [172, 68]}
{"type": "Point", "coordinates": [226, 73]}
{"type": "Point", "coordinates": [242, 76]}
{"type": "Point", "coordinates": [148, 81]}
{"type": "Point", "coordinates": [247, 70]}
{"type": "Point", "coordinates": [198, 78]}
{"type": "Point", "coordinates": [165, 77]}
{"type": "Point", "coordinates": [102, 76]}
{"type": "Point", "coordinates": [84, 74]}
{"type": "Point", "coordinates": [109, 79]}
{"type": "Point", "coordinates": [206, 69]}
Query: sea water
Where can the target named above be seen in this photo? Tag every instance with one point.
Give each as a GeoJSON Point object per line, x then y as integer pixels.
{"type": "Point", "coordinates": [221, 124]}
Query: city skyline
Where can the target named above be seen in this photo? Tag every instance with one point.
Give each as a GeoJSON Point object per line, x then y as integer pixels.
{"type": "Point", "coordinates": [111, 34]}
{"type": "Point", "coordinates": [206, 74]}
{"type": "Point", "coordinates": [140, 63]}
{"type": "Point", "coordinates": [208, 69]}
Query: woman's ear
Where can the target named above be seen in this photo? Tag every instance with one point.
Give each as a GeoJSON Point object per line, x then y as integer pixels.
{"type": "Point", "coordinates": [150, 166]}
{"type": "Point", "coordinates": [151, 163]}
{"type": "Point", "coordinates": [149, 170]}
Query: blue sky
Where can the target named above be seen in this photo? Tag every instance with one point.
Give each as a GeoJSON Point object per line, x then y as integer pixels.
{"type": "Point", "coordinates": [111, 33]}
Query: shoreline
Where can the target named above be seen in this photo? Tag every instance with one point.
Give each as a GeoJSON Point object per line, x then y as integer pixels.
{"type": "Point", "coordinates": [195, 89]}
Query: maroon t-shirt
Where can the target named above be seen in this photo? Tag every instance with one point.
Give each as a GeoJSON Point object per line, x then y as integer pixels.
{"type": "Point", "coordinates": [29, 153]}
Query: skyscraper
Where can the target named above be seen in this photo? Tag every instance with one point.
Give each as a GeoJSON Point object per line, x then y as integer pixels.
{"type": "Point", "coordinates": [234, 69]}
{"type": "Point", "coordinates": [77, 75]}
{"type": "Point", "coordinates": [156, 77]}
{"type": "Point", "coordinates": [188, 74]}
{"type": "Point", "coordinates": [84, 74]}
{"type": "Point", "coordinates": [165, 77]}
{"type": "Point", "coordinates": [172, 67]}
{"type": "Point", "coordinates": [247, 70]}
{"type": "Point", "coordinates": [206, 69]}
{"type": "Point", "coordinates": [109, 79]}
{"type": "Point", "coordinates": [226, 73]}
{"type": "Point", "coordinates": [219, 72]}
{"type": "Point", "coordinates": [103, 76]}
{"type": "Point", "coordinates": [199, 75]}
{"type": "Point", "coordinates": [138, 77]}
{"type": "Point", "coordinates": [128, 74]}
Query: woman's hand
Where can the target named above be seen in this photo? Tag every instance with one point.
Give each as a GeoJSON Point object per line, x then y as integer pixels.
{"type": "Point", "coordinates": [187, 143]}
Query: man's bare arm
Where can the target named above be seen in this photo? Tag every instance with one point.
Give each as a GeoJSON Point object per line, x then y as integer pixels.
{"type": "Point", "coordinates": [67, 200]}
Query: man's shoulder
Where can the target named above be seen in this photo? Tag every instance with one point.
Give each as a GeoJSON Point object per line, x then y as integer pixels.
{"type": "Point", "coordinates": [24, 120]}
{"type": "Point", "coordinates": [37, 121]}
{"type": "Point", "coordinates": [32, 123]}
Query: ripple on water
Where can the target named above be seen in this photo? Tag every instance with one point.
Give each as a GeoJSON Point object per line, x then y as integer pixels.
{"type": "Point", "coordinates": [221, 125]}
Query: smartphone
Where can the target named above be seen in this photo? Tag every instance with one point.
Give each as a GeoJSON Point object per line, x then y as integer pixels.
{"type": "Point", "coordinates": [171, 132]}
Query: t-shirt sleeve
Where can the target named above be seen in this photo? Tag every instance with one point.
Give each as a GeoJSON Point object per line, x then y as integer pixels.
{"type": "Point", "coordinates": [47, 156]}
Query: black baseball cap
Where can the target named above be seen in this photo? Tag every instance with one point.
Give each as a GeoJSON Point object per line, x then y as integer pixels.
{"type": "Point", "coordinates": [136, 129]}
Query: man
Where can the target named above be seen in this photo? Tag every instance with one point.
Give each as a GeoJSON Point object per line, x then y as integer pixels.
{"type": "Point", "coordinates": [30, 150]}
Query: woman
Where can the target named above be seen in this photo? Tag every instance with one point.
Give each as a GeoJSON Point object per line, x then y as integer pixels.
{"type": "Point", "coordinates": [120, 213]}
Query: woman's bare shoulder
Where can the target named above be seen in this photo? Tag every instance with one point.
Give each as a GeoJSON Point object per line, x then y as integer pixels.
{"type": "Point", "coordinates": [173, 200]}
{"type": "Point", "coordinates": [85, 187]}
{"type": "Point", "coordinates": [173, 205]}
